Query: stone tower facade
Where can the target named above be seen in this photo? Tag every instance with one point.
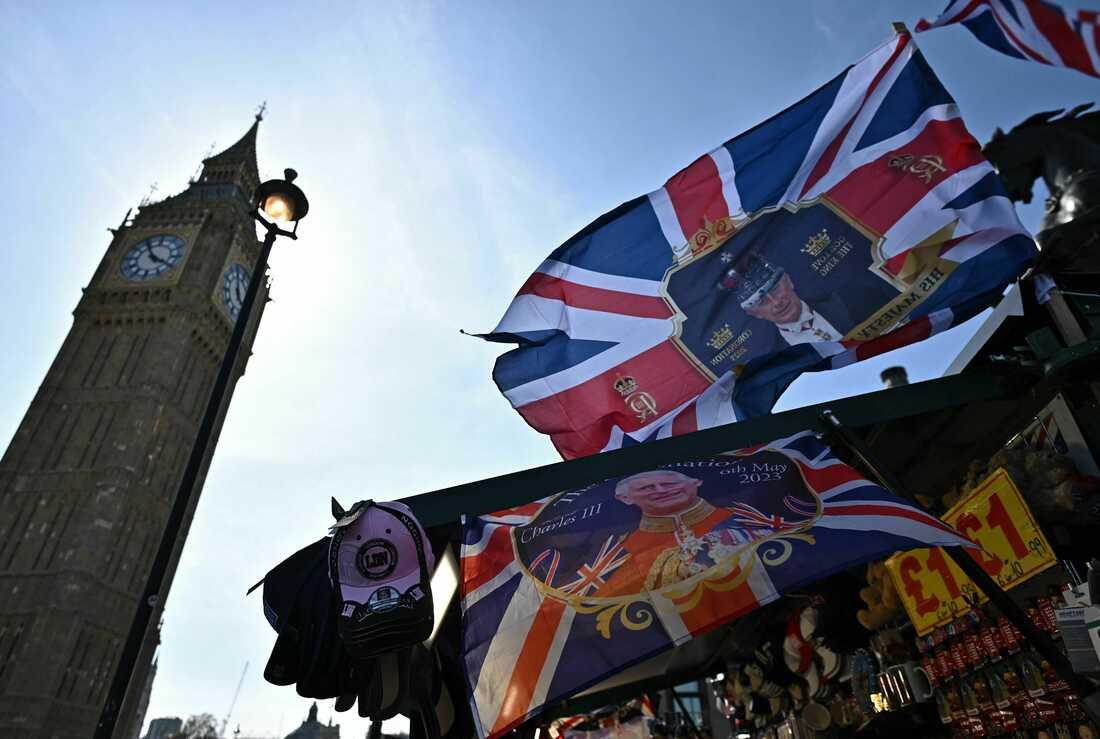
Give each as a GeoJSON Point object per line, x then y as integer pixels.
{"type": "Point", "coordinates": [90, 475]}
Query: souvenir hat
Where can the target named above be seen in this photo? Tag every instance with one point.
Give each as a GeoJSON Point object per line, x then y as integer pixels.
{"type": "Point", "coordinates": [380, 565]}
{"type": "Point", "coordinates": [299, 604]}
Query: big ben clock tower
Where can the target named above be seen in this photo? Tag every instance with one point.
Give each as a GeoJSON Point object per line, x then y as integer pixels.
{"type": "Point", "coordinates": [91, 473]}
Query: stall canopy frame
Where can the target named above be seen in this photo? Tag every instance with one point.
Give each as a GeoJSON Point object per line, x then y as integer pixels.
{"type": "Point", "coordinates": [447, 505]}
{"type": "Point", "coordinates": [1008, 397]}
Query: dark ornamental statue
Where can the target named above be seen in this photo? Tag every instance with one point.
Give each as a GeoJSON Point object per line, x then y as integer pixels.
{"type": "Point", "coordinates": [1065, 152]}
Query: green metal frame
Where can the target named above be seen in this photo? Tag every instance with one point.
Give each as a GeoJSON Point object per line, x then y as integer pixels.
{"type": "Point", "coordinates": [497, 493]}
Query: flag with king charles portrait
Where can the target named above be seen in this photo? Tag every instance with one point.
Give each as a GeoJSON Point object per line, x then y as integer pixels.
{"type": "Point", "coordinates": [861, 219]}
{"type": "Point", "coordinates": [562, 593]}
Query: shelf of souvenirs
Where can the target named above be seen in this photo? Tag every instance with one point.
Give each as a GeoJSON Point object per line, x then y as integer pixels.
{"type": "Point", "coordinates": [988, 682]}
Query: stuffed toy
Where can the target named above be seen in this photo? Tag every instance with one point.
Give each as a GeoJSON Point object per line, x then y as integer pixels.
{"type": "Point", "coordinates": [883, 604]}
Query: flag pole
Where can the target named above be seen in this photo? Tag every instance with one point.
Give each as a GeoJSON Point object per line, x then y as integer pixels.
{"type": "Point", "coordinates": [683, 709]}
{"type": "Point", "coordinates": [1044, 645]}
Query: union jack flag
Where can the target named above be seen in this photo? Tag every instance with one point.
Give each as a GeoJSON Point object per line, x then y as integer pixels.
{"type": "Point", "coordinates": [531, 638]}
{"type": "Point", "coordinates": [591, 576]}
{"type": "Point", "coordinates": [753, 518]}
{"type": "Point", "coordinates": [1033, 30]}
{"type": "Point", "coordinates": [868, 202]}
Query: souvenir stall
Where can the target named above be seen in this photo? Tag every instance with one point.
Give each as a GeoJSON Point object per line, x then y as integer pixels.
{"type": "Point", "coordinates": [905, 645]}
{"type": "Point", "coordinates": [935, 657]}
{"type": "Point", "coordinates": [1021, 479]}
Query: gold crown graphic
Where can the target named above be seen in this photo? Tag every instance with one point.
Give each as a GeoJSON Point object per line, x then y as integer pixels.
{"type": "Point", "coordinates": [721, 337]}
{"type": "Point", "coordinates": [625, 385]}
{"type": "Point", "coordinates": [713, 233]}
{"type": "Point", "coordinates": [816, 243]}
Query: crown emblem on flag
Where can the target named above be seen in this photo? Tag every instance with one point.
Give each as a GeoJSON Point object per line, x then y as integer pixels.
{"type": "Point", "coordinates": [624, 386]}
{"type": "Point", "coordinates": [721, 337]}
{"type": "Point", "coordinates": [712, 234]}
{"type": "Point", "coordinates": [816, 243]}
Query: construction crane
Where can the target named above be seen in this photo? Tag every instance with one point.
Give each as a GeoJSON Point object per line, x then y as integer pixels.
{"type": "Point", "coordinates": [233, 703]}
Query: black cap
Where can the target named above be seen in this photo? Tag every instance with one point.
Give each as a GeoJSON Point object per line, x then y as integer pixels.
{"type": "Point", "coordinates": [299, 604]}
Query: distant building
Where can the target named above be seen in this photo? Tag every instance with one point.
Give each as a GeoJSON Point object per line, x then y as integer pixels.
{"type": "Point", "coordinates": [134, 730]}
{"type": "Point", "coordinates": [311, 728]}
{"type": "Point", "coordinates": [162, 728]}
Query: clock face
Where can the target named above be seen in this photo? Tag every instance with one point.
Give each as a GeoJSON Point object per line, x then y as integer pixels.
{"type": "Point", "coordinates": [152, 257]}
{"type": "Point", "coordinates": [234, 286]}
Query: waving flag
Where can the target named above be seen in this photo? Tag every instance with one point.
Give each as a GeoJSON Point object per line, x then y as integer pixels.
{"type": "Point", "coordinates": [1030, 29]}
{"type": "Point", "coordinates": [562, 593]}
{"type": "Point", "coordinates": [861, 219]}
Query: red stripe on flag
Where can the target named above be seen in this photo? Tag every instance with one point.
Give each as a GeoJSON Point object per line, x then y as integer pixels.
{"type": "Point", "coordinates": [825, 163]}
{"type": "Point", "coordinates": [827, 478]}
{"type": "Point", "coordinates": [870, 509]}
{"type": "Point", "coordinates": [878, 194]}
{"type": "Point", "coordinates": [696, 195]}
{"type": "Point", "coordinates": [529, 666]}
{"type": "Point", "coordinates": [826, 160]}
{"type": "Point", "coordinates": [1016, 39]}
{"type": "Point", "coordinates": [579, 419]}
{"type": "Point", "coordinates": [716, 601]}
{"type": "Point", "coordinates": [483, 567]}
{"type": "Point", "coordinates": [916, 330]}
{"type": "Point", "coordinates": [923, 25]}
{"type": "Point", "coordinates": [595, 298]}
{"type": "Point", "coordinates": [686, 421]}
{"type": "Point", "coordinates": [1061, 36]}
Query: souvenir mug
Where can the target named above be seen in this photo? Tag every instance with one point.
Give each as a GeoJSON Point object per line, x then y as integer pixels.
{"type": "Point", "coordinates": [905, 684]}
{"type": "Point", "coordinates": [919, 684]}
{"type": "Point", "coordinates": [816, 716]}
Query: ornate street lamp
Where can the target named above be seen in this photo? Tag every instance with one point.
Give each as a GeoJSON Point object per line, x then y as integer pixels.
{"type": "Point", "coordinates": [281, 201]}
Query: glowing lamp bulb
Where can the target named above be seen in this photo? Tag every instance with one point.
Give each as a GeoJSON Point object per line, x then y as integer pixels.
{"type": "Point", "coordinates": [279, 207]}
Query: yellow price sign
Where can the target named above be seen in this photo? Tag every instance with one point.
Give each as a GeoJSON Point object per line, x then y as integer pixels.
{"type": "Point", "coordinates": [1013, 549]}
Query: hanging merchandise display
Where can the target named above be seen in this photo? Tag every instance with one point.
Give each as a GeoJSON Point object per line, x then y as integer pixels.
{"type": "Point", "coordinates": [633, 719]}
{"type": "Point", "coordinates": [881, 598]}
{"type": "Point", "coordinates": [936, 658]}
{"type": "Point", "coordinates": [352, 612]}
{"type": "Point", "coordinates": [935, 591]}
{"type": "Point", "coordinates": [1055, 429]}
{"type": "Point", "coordinates": [987, 680]}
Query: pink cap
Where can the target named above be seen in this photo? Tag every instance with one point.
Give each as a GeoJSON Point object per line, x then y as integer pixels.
{"type": "Point", "coordinates": [379, 557]}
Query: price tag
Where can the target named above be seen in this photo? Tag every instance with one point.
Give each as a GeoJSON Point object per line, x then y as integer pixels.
{"type": "Point", "coordinates": [933, 588]}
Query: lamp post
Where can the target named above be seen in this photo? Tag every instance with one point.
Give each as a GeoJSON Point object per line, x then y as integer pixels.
{"type": "Point", "coordinates": [281, 201]}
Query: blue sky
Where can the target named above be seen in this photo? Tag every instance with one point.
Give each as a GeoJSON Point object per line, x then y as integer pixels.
{"type": "Point", "coordinates": [446, 148]}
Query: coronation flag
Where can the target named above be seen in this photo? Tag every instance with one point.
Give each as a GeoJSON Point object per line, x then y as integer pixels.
{"type": "Point", "coordinates": [559, 594]}
{"type": "Point", "coordinates": [861, 219]}
{"type": "Point", "coordinates": [1029, 29]}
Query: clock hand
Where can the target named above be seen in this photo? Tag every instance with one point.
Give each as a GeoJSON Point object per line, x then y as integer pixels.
{"type": "Point", "coordinates": [240, 294]}
{"type": "Point", "coordinates": [155, 258]}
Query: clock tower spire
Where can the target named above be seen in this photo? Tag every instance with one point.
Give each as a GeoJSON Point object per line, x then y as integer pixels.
{"type": "Point", "coordinates": [90, 475]}
{"type": "Point", "coordinates": [237, 164]}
